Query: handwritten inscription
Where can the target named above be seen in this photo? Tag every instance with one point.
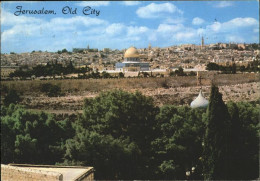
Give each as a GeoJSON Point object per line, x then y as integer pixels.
{"type": "Point", "coordinates": [20, 11]}
{"type": "Point", "coordinates": [65, 10]}
{"type": "Point", "coordinates": [86, 11]}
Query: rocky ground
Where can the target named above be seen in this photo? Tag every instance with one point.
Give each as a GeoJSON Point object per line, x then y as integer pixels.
{"type": "Point", "coordinates": [177, 96]}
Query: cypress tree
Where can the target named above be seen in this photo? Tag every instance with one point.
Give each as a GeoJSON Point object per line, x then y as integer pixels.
{"type": "Point", "coordinates": [237, 156]}
{"type": "Point", "coordinates": [217, 139]}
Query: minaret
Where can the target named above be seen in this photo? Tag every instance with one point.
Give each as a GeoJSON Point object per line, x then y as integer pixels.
{"type": "Point", "coordinates": [202, 42]}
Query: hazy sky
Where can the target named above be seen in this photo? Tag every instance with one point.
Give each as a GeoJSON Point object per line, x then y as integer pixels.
{"type": "Point", "coordinates": [122, 24]}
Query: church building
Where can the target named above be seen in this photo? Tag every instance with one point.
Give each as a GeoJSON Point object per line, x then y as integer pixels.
{"type": "Point", "coordinates": [200, 101]}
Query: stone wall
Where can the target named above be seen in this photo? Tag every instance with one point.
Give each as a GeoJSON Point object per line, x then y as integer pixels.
{"type": "Point", "coordinates": [88, 176]}
{"type": "Point", "coordinates": [11, 173]}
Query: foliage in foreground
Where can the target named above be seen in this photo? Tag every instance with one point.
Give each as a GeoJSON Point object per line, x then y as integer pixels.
{"type": "Point", "coordinates": [125, 136]}
{"type": "Point", "coordinates": [230, 151]}
{"type": "Point", "coordinates": [32, 137]}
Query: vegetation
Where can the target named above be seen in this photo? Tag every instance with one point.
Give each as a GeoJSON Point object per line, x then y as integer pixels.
{"type": "Point", "coordinates": [32, 137]}
{"type": "Point", "coordinates": [49, 70]}
{"type": "Point", "coordinates": [121, 75]}
{"type": "Point", "coordinates": [55, 69]}
{"type": "Point", "coordinates": [255, 46]}
{"type": "Point", "coordinates": [97, 85]}
{"type": "Point", "coordinates": [124, 136]}
{"type": "Point", "coordinates": [217, 150]}
{"type": "Point", "coordinates": [51, 90]}
{"type": "Point", "coordinates": [64, 51]}
{"type": "Point", "coordinates": [177, 147]}
{"type": "Point", "coordinates": [10, 96]}
{"type": "Point", "coordinates": [252, 67]}
{"type": "Point", "coordinates": [179, 72]}
{"type": "Point", "coordinates": [116, 129]}
{"type": "Point", "coordinates": [225, 156]}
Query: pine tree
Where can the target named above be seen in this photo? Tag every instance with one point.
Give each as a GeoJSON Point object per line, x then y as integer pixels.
{"type": "Point", "coordinates": [216, 143]}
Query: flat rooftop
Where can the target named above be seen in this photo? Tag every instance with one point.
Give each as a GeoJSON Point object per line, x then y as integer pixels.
{"type": "Point", "coordinates": [69, 173]}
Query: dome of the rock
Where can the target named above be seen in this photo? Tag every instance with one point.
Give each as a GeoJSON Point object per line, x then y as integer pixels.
{"type": "Point", "coordinates": [131, 53]}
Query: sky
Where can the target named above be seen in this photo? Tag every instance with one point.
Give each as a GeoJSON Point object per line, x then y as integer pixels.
{"type": "Point", "coordinates": [121, 24]}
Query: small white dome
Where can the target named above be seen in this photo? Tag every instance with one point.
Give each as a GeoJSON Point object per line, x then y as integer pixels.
{"type": "Point", "coordinates": [200, 101]}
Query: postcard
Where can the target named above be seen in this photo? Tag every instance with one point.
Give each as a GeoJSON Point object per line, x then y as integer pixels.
{"type": "Point", "coordinates": [98, 90]}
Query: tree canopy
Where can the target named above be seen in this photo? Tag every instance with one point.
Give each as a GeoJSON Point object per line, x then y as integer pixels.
{"type": "Point", "coordinates": [125, 136]}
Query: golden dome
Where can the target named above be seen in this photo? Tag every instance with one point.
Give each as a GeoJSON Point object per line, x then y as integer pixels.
{"type": "Point", "coordinates": [131, 53]}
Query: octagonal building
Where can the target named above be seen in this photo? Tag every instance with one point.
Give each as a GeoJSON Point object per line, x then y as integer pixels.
{"type": "Point", "coordinates": [132, 62]}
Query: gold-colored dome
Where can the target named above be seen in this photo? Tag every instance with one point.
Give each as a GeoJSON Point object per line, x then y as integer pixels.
{"type": "Point", "coordinates": [131, 53]}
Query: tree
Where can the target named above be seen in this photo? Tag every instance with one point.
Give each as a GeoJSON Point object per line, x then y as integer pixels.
{"type": "Point", "coordinates": [180, 72]}
{"type": "Point", "coordinates": [216, 144]}
{"type": "Point", "coordinates": [242, 68]}
{"type": "Point", "coordinates": [114, 135]}
{"type": "Point", "coordinates": [245, 118]}
{"type": "Point", "coordinates": [105, 75]}
{"type": "Point", "coordinates": [51, 90]}
{"type": "Point", "coordinates": [234, 68]}
{"type": "Point", "coordinates": [64, 50]}
{"type": "Point", "coordinates": [121, 75]}
{"type": "Point", "coordinates": [192, 73]}
{"type": "Point", "coordinates": [32, 137]}
{"type": "Point", "coordinates": [11, 97]}
{"type": "Point", "coordinates": [178, 144]}
{"type": "Point", "coordinates": [212, 66]}
{"type": "Point", "coordinates": [172, 73]}
{"type": "Point", "coordinates": [70, 68]}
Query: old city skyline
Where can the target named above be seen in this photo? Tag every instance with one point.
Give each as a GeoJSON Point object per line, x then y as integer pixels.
{"type": "Point", "coordinates": [119, 25]}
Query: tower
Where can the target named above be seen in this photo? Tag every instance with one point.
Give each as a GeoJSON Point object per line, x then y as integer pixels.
{"type": "Point", "coordinates": [202, 42]}
{"type": "Point", "coordinates": [149, 47]}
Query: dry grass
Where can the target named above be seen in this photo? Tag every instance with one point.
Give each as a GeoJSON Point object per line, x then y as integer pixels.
{"type": "Point", "coordinates": [97, 85]}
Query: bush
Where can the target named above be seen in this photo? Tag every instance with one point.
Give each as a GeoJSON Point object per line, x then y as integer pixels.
{"type": "Point", "coordinates": [180, 72]}
{"type": "Point", "coordinates": [121, 75]}
{"type": "Point", "coordinates": [11, 97]}
{"type": "Point", "coordinates": [51, 90]}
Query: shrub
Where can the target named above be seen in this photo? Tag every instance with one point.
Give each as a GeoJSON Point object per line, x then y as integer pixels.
{"type": "Point", "coordinates": [51, 90]}
{"type": "Point", "coordinates": [11, 97]}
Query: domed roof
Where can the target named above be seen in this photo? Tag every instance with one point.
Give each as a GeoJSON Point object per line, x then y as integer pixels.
{"type": "Point", "coordinates": [200, 101]}
{"type": "Point", "coordinates": [131, 53]}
